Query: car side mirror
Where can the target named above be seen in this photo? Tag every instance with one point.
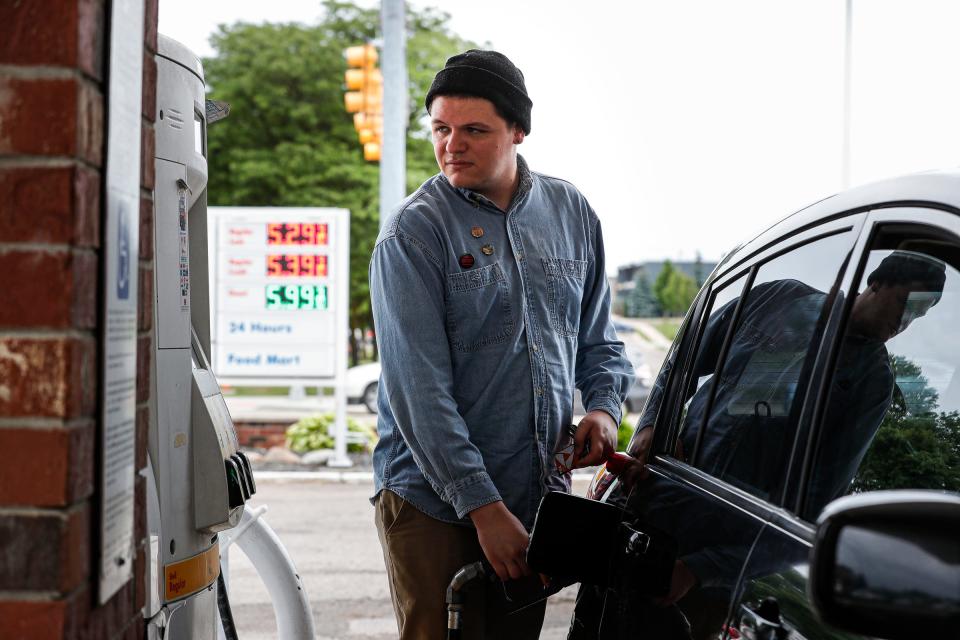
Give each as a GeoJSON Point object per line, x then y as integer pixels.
{"type": "Point", "coordinates": [887, 564]}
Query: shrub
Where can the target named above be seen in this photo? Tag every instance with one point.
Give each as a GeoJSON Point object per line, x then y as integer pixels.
{"type": "Point", "coordinates": [316, 432]}
{"type": "Point", "coordinates": [624, 433]}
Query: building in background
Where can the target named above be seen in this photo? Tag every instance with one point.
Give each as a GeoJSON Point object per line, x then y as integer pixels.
{"type": "Point", "coordinates": [634, 292]}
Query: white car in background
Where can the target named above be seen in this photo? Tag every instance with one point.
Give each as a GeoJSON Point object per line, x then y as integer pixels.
{"type": "Point", "coordinates": [362, 382]}
{"type": "Point", "coordinates": [363, 379]}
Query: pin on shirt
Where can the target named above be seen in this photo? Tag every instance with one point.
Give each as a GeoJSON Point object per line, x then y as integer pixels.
{"type": "Point", "coordinates": [487, 249]}
{"type": "Point", "coordinates": [466, 261]}
{"type": "Point", "coordinates": [477, 232]}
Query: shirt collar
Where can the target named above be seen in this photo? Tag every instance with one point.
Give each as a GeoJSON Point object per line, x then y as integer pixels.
{"type": "Point", "coordinates": [523, 187]}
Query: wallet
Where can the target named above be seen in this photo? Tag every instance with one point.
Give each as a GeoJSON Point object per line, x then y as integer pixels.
{"type": "Point", "coordinates": [573, 538]}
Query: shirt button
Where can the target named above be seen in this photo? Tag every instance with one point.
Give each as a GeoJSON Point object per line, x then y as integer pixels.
{"type": "Point", "coordinates": [536, 348]}
{"type": "Point", "coordinates": [539, 391]}
{"type": "Point", "coordinates": [520, 257]}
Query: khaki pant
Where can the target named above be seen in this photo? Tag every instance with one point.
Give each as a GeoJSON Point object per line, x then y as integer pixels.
{"type": "Point", "coordinates": [422, 554]}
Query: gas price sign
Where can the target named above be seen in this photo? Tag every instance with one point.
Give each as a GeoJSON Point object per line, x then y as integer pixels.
{"type": "Point", "coordinates": [280, 298]}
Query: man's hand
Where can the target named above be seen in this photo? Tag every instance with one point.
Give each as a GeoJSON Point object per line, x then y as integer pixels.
{"type": "Point", "coordinates": [503, 540]}
{"type": "Point", "coordinates": [636, 470]}
{"type": "Point", "coordinates": [681, 582]}
{"type": "Point", "coordinates": [599, 429]}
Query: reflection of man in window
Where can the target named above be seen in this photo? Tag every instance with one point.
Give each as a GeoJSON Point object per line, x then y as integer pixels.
{"type": "Point", "coordinates": [749, 432]}
{"type": "Point", "coordinates": [901, 289]}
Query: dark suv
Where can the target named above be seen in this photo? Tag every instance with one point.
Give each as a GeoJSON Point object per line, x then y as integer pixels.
{"type": "Point", "coordinates": [803, 437]}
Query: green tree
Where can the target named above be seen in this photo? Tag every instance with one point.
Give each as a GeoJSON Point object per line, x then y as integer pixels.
{"type": "Point", "coordinates": [640, 302]}
{"type": "Point", "coordinates": [660, 283]}
{"type": "Point", "coordinates": [677, 294]}
{"type": "Point", "coordinates": [916, 447]}
{"type": "Point", "coordinates": [288, 140]}
{"type": "Point", "coordinates": [913, 389]}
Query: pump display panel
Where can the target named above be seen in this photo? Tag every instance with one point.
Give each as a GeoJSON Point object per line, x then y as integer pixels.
{"type": "Point", "coordinates": [280, 288]}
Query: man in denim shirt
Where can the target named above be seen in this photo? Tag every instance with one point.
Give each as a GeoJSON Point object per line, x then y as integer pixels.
{"type": "Point", "coordinates": [491, 303]}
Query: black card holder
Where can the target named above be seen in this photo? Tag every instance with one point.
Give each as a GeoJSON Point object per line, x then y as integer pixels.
{"type": "Point", "coordinates": [573, 538]}
{"type": "Point", "coordinates": [576, 539]}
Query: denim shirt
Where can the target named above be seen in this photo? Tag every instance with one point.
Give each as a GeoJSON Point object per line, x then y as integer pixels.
{"type": "Point", "coordinates": [485, 322]}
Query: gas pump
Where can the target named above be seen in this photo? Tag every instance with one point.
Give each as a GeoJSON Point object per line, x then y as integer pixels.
{"type": "Point", "coordinates": [198, 479]}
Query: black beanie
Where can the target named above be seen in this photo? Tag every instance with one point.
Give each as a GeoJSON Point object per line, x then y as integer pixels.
{"type": "Point", "coordinates": [485, 74]}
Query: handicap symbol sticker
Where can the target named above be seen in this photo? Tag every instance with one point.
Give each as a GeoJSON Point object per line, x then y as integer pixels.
{"type": "Point", "coordinates": [123, 254]}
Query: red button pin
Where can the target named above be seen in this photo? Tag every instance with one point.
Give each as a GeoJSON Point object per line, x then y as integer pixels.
{"type": "Point", "coordinates": [466, 261]}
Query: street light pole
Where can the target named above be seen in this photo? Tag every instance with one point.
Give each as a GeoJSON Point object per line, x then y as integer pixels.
{"type": "Point", "coordinates": [393, 159]}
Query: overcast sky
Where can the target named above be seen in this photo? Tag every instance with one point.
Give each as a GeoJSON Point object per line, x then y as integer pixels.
{"type": "Point", "coordinates": [690, 125]}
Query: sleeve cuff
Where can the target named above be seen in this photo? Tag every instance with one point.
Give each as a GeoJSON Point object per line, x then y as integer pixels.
{"type": "Point", "coordinates": [608, 403]}
{"type": "Point", "coordinates": [472, 492]}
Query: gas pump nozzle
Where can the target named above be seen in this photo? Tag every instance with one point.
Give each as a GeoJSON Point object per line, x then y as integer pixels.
{"type": "Point", "coordinates": [455, 598]}
{"type": "Point", "coordinates": [617, 462]}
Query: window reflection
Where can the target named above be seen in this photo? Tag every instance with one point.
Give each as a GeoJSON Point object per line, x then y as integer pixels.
{"type": "Point", "coordinates": [892, 418]}
{"type": "Point", "coordinates": [898, 567]}
{"type": "Point", "coordinates": [753, 406]}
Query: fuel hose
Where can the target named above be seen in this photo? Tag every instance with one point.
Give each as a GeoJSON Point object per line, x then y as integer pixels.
{"type": "Point", "coordinates": [226, 614]}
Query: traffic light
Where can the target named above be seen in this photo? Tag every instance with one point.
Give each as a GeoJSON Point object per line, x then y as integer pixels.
{"type": "Point", "coordinates": [364, 98]}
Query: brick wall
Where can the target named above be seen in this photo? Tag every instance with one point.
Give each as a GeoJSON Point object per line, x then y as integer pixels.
{"type": "Point", "coordinates": [52, 147]}
{"type": "Point", "coordinates": [261, 435]}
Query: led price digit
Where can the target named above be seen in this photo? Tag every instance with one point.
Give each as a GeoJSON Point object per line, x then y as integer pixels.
{"type": "Point", "coordinates": [308, 233]}
{"type": "Point", "coordinates": [274, 236]}
{"type": "Point", "coordinates": [273, 265]}
{"type": "Point", "coordinates": [290, 267]}
{"type": "Point", "coordinates": [308, 264]}
{"type": "Point", "coordinates": [274, 296]}
{"type": "Point", "coordinates": [291, 295]}
{"type": "Point", "coordinates": [308, 297]}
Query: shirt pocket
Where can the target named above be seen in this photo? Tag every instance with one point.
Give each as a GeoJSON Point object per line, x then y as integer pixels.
{"type": "Point", "coordinates": [565, 292]}
{"type": "Point", "coordinates": [478, 308]}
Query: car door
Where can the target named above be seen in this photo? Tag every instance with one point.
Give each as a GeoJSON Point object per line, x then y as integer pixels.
{"type": "Point", "coordinates": [885, 416]}
{"type": "Point", "coordinates": [726, 424]}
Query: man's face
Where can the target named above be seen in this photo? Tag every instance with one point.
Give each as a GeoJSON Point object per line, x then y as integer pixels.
{"type": "Point", "coordinates": [883, 311]}
{"type": "Point", "coordinates": [474, 146]}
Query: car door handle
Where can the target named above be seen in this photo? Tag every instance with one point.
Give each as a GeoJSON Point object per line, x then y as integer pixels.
{"type": "Point", "coordinates": [754, 626]}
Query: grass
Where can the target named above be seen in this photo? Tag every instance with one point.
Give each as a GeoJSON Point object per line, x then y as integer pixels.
{"type": "Point", "coordinates": [264, 391]}
{"type": "Point", "coordinates": [668, 327]}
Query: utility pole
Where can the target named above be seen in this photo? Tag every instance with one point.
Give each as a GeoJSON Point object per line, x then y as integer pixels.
{"type": "Point", "coordinates": [847, 93]}
{"type": "Point", "coordinates": [393, 160]}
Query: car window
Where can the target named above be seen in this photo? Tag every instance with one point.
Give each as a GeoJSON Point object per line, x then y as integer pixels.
{"type": "Point", "coordinates": [758, 374]}
{"type": "Point", "coordinates": [892, 416]}
{"type": "Point", "coordinates": [717, 321]}
{"type": "Point", "coordinates": [658, 391]}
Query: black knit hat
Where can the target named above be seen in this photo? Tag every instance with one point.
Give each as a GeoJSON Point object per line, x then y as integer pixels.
{"type": "Point", "coordinates": [485, 74]}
